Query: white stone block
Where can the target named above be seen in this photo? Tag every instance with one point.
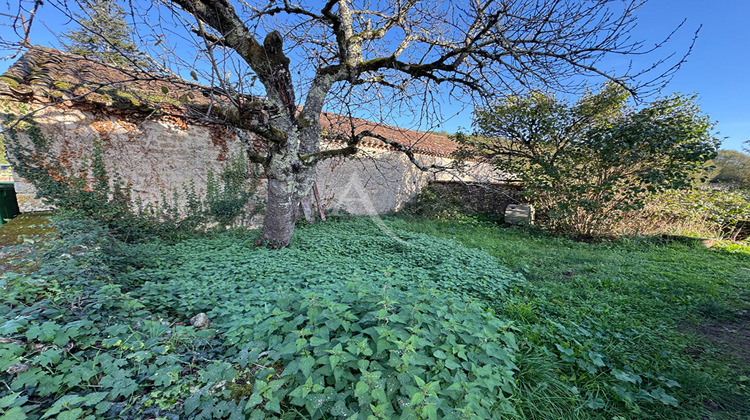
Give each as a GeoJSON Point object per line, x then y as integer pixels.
{"type": "Point", "coordinates": [519, 214]}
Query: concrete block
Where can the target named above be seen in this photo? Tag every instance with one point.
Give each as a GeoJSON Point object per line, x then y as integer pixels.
{"type": "Point", "coordinates": [518, 214]}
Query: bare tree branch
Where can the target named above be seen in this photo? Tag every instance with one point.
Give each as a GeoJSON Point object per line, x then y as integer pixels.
{"type": "Point", "coordinates": [386, 59]}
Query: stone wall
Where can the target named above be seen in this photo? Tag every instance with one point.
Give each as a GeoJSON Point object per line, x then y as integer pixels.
{"type": "Point", "coordinates": [483, 198]}
{"type": "Point", "coordinates": [153, 155]}
{"type": "Point", "coordinates": [378, 181]}
{"type": "Point", "coordinates": [160, 155]}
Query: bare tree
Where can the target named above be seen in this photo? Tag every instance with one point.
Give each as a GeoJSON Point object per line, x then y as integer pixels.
{"type": "Point", "coordinates": [392, 55]}
{"type": "Point", "coordinates": [20, 17]}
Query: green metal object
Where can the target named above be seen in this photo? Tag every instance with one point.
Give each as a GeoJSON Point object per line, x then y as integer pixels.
{"type": "Point", "coordinates": [8, 203]}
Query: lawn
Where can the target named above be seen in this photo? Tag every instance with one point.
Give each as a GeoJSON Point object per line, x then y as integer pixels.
{"type": "Point", "coordinates": [428, 319]}
{"type": "Point", "coordinates": [656, 307]}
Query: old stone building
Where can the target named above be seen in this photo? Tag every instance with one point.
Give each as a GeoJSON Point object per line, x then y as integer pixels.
{"type": "Point", "coordinates": [160, 133]}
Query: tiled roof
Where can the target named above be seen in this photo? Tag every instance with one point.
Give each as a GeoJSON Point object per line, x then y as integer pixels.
{"type": "Point", "coordinates": [416, 141]}
{"type": "Point", "coordinates": [46, 74]}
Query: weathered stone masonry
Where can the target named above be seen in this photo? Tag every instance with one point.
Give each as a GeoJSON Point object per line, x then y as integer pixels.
{"type": "Point", "coordinates": [159, 153]}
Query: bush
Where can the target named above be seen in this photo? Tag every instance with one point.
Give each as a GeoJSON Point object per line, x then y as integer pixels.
{"type": "Point", "coordinates": [432, 204]}
{"type": "Point", "coordinates": [585, 165]}
{"type": "Point", "coordinates": [714, 213]}
{"type": "Point", "coordinates": [462, 202]}
{"type": "Point", "coordinates": [732, 169]}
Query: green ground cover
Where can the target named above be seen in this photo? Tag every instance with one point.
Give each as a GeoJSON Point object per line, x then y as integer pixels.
{"type": "Point", "coordinates": [453, 320]}
{"type": "Point", "coordinates": [660, 308]}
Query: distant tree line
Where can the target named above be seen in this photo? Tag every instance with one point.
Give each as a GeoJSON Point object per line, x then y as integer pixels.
{"type": "Point", "coordinates": [732, 169]}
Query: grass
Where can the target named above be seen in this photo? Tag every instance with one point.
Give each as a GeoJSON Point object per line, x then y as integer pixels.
{"type": "Point", "coordinates": [641, 327]}
{"type": "Point", "coordinates": [653, 304]}
{"type": "Point", "coordinates": [25, 227]}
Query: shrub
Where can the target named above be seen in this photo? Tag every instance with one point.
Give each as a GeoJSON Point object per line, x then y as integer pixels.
{"type": "Point", "coordinates": [732, 169]}
{"type": "Point", "coordinates": [434, 205]}
{"type": "Point", "coordinates": [709, 212]}
{"type": "Point", "coordinates": [462, 202]}
{"type": "Point", "coordinates": [586, 164]}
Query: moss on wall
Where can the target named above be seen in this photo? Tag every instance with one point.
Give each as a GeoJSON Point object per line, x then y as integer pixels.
{"type": "Point", "coordinates": [10, 81]}
{"type": "Point", "coordinates": [3, 155]}
{"type": "Point", "coordinates": [4, 111]}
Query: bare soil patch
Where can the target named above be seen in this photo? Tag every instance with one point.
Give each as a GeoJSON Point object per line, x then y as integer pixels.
{"type": "Point", "coordinates": [731, 336]}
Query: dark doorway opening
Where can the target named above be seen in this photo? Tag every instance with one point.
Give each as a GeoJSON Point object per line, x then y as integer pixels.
{"type": "Point", "coordinates": [8, 202]}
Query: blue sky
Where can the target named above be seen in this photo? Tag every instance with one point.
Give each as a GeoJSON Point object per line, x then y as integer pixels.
{"type": "Point", "coordinates": [718, 69]}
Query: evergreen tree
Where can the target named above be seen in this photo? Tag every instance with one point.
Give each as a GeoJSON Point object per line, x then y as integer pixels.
{"type": "Point", "coordinates": [104, 35]}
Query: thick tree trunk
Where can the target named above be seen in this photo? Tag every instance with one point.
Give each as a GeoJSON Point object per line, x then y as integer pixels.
{"type": "Point", "coordinates": [291, 132]}
{"type": "Point", "coordinates": [281, 201]}
{"type": "Point", "coordinates": [278, 224]}
{"type": "Point", "coordinates": [285, 194]}
{"type": "Point", "coordinates": [289, 181]}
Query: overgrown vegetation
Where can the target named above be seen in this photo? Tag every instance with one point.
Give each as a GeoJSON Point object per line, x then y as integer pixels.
{"type": "Point", "coordinates": [663, 309]}
{"type": "Point", "coordinates": [457, 201]}
{"type": "Point", "coordinates": [586, 164]}
{"type": "Point", "coordinates": [349, 321]}
{"type": "Point", "coordinates": [431, 204]}
{"type": "Point", "coordinates": [705, 212]}
{"type": "Point", "coordinates": [227, 196]}
{"type": "Point", "coordinates": [98, 328]}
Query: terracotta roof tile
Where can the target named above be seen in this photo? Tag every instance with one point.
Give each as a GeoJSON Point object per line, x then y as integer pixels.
{"type": "Point", "coordinates": [416, 141]}
{"type": "Point", "coordinates": [46, 74]}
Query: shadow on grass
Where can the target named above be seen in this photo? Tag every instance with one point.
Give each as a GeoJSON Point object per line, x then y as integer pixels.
{"type": "Point", "coordinates": [24, 229]}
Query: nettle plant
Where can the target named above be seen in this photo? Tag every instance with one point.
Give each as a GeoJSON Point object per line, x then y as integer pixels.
{"type": "Point", "coordinates": [380, 353]}
{"type": "Point", "coordinates": [341, 332]}
{"type": "Point", "coordinates": [77, 345]}
{"type": "Point", "coordinates": [98, 328]}
{"type": "Point", "coordinates": [99, 331]}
